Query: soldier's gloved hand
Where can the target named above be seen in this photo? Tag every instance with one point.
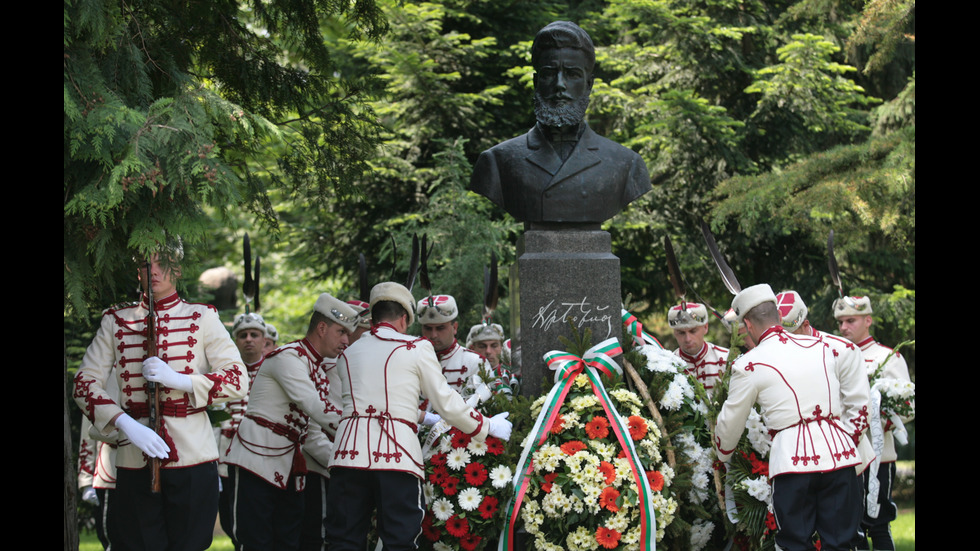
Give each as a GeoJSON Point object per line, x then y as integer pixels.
{"type": "Point", "coordinates": [89, 495]}
{"type": "Point", "coordinates": [431, 419]}
{"type": "Point", "coordinates": [143, 437]}
{"type": "Point", "coordinates": [500, 427]}
{"type": "Point", "coordinates": [158, 371]}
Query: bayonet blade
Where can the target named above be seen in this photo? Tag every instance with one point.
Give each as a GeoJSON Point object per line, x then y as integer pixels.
{"type": "Point", "coordinates": [727, 275]}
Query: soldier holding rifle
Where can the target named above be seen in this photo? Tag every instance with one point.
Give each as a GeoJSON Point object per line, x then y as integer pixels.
{"type": "Point", "coordinates": [196, 365]}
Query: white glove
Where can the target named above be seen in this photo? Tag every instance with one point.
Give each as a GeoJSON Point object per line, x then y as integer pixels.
{"type": "Point", "coordinates": [431, 419]}
{"type": "Point", "coordinates": [500, 427]}
{"type": "Point", "coordinates": [89, 496]}
{"type": "Point", "coordinates": [158, 371]}
{"type": "Point", "coordinates": [143, 437]}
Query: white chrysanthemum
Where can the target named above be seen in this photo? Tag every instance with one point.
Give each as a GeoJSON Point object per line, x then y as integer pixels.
{"type": "Point", "coordinates": [457, 459]}
{"type": "Point", "coordinates": [581, 539]}
{"type": "Point", "coordinates": [581, 382]}
{"type": "Point", "coordinates": [501, 476]}
{"type": "Point", "coordinates": [673, 397]}
{"type": "Point", "coordinates": [758, 433]}
{"type": "Point", "coordinates": [532, 517]}
{"type": "Point", "coordinates": [429, 491]}
{"type": "Point", "coordinates": [584, 402]}
{"type": "Point", "coordinates": [619, 521]}
{"type": "Point", "coordinates": [555, 504]}
{"type": "Point", "coordinates": [700, 480]}
{"type": "Point", "coordinates": [572, 420]}
{"type": "Point", "coordinates": [442, 508]}
{"type": "Point", "coordinates": [548, 458]}
{"type": "Point", "coordinates": [469, 499]}
{"type": "Point", "coordinates": [477, 447]}
{"type": "Point", "coordinates": [659, 359]}
{"type": "Point", "coordinates": [439, 546]}
{"type": "Point", "coordinates": [606, 451]}
{"type": "Point", "coordinates": [668, 473]}
{"type": "Point", "coordinates": [701, 534]}
{"type": "Point", "coordinates": [758, 488]}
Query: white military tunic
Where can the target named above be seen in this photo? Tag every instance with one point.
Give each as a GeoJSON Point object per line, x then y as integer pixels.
{"type": "Point", "coordinates": [813, 397]}
{"type": "Point", "coordinates": [382, 376]}
{"type": "Point", "coordinates": [459, 364]}
{"type": "Point", "coordinates": [288, 390]}
{"type": "Point", "coordinates": [707, 365]}
{"type": "Point", "coordinates": [896, 368]}
{"type": "Point", "coordinates": [193, 341]}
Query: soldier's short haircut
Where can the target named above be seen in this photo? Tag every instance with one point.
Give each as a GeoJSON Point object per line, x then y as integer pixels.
{"type": "Point", "coordinates": [765, 314]}
{"type": "Point", "coordinates": [387, 310]}
{"type": "Point", "coordinates": [315, 320]}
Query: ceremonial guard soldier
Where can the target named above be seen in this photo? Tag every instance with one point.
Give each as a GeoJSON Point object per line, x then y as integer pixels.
{"type": "Point", "coordinates": [271, 338]}
{"type": "Point", "coordinates": [197, 366]}
{"type": "Point", "coordinates": [816, 402]}
{"type": "Point", "coordinates": [377, 457]}
{"type": "Point", "coordinates": [251, 334]}
{"type": "Point", "coordinates": [97, 475]}
{"type": "Point", "coordinates": [487, 340]}
{"type": "Point", "coordinates": [794, 312]}
{"type": "Point", "coordinates": [437, 314]}
{"type": "Point", "coordinates": [265, 458]}
{"type": "Point", "coordinates": [854, 316]}
{"type": "Point", "coordinates": [705, 361]}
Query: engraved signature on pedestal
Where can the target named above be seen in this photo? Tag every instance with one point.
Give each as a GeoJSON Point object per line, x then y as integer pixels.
{"type": "Point", "coordinates": [581, 313]}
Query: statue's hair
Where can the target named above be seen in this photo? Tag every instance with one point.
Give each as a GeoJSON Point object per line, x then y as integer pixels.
{"type": "Point", "coordinates": [562, 34]}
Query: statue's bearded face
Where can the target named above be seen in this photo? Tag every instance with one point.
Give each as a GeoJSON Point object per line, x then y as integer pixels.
{"type": "Point", "coordinates": [562, 84]}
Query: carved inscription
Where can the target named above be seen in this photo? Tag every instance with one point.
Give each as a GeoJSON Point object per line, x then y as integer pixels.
{"type": "Point", "coordinates": [582, 313]}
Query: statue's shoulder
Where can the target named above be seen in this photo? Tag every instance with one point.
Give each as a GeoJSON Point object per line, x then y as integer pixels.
{"type": "Point", "coordinates": [515, 145]}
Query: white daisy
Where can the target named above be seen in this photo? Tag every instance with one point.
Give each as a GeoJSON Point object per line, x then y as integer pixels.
{"type": "Point", "coordinates": [469, 499]}
{"type": "Point", "coordinates": [458, 459]}
{"type": "Point", "coordinates": [501, 476]}
{"type": "Point", "coordinates": [442, 508]}
{"type": "Point", "coordinates": [477, 447]}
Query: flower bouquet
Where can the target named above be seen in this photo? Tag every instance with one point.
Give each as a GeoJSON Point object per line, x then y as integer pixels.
{"type": "Point", "coordinates": [592, 475]}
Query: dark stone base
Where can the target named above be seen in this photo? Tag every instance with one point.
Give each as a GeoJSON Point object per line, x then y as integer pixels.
{"type": "Point", "coordinates": [564, 275]}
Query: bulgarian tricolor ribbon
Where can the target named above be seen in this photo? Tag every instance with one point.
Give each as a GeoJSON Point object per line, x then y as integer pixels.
{"type": "Point", "coordinates": [635, 328]}
{"type": "Point", "coordinates": [597, 361]}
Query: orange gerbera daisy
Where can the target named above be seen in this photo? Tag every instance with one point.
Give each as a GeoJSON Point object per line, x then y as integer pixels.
{"type": "Point", "coordinates": [573, 447]}
{"type": "Point", "coordinates": [559, 425]}
{"type": "Point", "coordinates": [598, 427]}
{"type": "Point", "coordinates": [607, 537]}
{"type": "Point", "coordinates": [637, 426]}
{"type": "Point", "coordinates": [656, 480]}
{"type": "Point", "coordinates": [608, 498]}
{"type": "Point", "coordinates": [608, 471]}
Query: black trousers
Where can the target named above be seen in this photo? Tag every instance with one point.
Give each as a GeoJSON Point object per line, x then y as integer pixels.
{"type": "Point", "coordinates": [265, 517]}
{"type": "Point", "coordinates": [314, 512]}
{"type": "Point", "coordinates": [878, 529]}
{"type": "Point", "coordinates": [179, 518]}
{"type": "Point", "coordinates": [355, 493]}
{"type": "Point", "coordinates": [826, 503]}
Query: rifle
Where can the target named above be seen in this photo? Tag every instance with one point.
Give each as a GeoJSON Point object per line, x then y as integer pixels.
{"type": "Point", "coordinates": [153, 396]}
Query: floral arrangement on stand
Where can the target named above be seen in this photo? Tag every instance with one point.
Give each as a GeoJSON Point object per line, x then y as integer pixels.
{"type": "Point", "coordinates": [467, 485]}
{"type": "Point", "coordinates": [680, 403]}
{"type": "Point", "coordinates": [592, 474]}
{"type": "Point", "coordinates": [897, 397]}
{"type": "Point", "coordinates": [716, 506]}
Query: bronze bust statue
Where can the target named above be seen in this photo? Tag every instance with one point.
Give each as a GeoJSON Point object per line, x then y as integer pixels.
{"type": "Point", "coordinates": [561, 172]}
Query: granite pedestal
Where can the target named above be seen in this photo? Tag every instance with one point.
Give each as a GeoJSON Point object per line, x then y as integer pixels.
{"type": "Point", "coordinates": [567, 276]}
